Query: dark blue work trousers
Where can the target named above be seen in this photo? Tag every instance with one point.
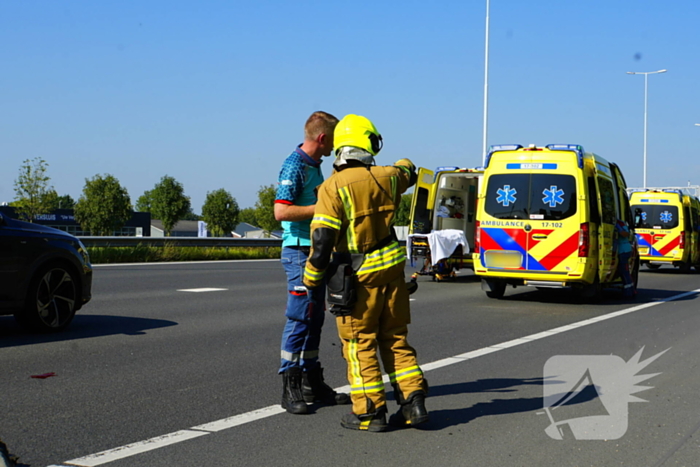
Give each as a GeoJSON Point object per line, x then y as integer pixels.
{"type": "Point", "coordinates": [305, 314]}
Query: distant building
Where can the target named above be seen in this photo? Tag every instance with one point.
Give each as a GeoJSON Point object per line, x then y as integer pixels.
{"type": "Point", "coordinates": [180, 229]}
{"type": "Point", "coordinates": [198, 229]}
{"type": "Point", "coordinates": [63, 219]}
{"type": "Point", "coordinates": [245, 230]}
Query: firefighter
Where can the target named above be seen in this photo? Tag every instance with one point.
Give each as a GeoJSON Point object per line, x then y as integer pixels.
{"type": "Point", "coordinates": [353, 242]}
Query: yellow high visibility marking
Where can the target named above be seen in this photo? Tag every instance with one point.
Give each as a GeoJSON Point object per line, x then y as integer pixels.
{"type": "Point", "coordinates": [354, 363]}
{"type": "Point", "coordinates": [350, 214]}
{"type": "Point", "coordinates": [328, 221]}
{"type": "Point", "coordinates": [371, 387]}
{"type": "Point", "coordinates": [383, 258]}
{"type": "Point", "coordinates": [313, 275]}
{"type": "Point", "coordinates": [405, 373]}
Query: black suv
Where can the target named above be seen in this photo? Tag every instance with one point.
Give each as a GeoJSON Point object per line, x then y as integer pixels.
{"type": "Point", "coordinates": [45, 275]}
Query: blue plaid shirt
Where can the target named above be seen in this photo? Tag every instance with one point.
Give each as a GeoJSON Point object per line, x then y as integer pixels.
{"type": "Point", "coordinates": [297, 182]}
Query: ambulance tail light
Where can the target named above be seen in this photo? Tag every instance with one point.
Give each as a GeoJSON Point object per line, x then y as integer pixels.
{"type": "Point", "coordinates": [477, 238]}
{"type": "Point", "coordinates": [681, 245]}
{"type": "Point", "coordinates": [584, 240]}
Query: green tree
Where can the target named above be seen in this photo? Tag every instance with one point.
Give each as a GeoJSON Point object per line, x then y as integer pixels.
{"type": "Point", "coordinates": [403, 213]}
{"type": "Point", "coordinates": [33, 193]}
{"type": "Point", "coordinates": [169, 203]}
{"type": "Point", "coordinates": [66, 202]}
{"type": "Point", "coordinates": [144, 202]}
{"type": "Point", "coordinates": [220, 212]}
{"type": "Point", "coordinates": [191, 216]}
{"type": "Point", "coordinates": [104, 206]}
{"type": "Point", "coordinates": [265, 209]}
{"type": "Point", "coordinates": [247, 215]}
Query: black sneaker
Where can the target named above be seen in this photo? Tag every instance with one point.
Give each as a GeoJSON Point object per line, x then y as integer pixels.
{"type": "Point", "coordinates": [374, 422]}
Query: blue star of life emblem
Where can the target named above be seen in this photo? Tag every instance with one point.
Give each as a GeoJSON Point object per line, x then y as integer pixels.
{"type": "Point", "coordinates": [666, 217]}
{"type": "Point", "coordinates": [506, 195]}
{"type": "Point", "coordinates": [553, 196]}
{"type": "Point", "coordinates": [644, 215]}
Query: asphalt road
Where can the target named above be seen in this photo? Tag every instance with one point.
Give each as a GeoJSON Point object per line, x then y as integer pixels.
{"type": "Point", "coordinates": [146, 365]}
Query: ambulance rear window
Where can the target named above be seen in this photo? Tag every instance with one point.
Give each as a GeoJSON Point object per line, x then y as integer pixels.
{"type": "Point", "coordinates": [655, 216]}
{"type": "Point", "coordinates": [531, 196]}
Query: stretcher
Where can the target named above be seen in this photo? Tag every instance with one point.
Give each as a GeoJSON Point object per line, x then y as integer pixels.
{"type": "Point", "coordinates": [439, 253]}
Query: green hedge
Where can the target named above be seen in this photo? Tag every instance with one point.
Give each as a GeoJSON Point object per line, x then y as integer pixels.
{"type": "Point", "coordinates": [143, 254]}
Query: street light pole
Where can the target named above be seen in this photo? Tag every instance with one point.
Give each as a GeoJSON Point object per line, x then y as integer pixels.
{"type": "Point", "coordinates": [486, 86]}
{"type": "Point", "coordinates": [646, 78]}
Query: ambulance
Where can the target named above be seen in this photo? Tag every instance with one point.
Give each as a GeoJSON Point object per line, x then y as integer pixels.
{"type": "Point", "coordinates": [546, 218]}
{"type": "Point", "coordinates": [443, 214]}
{"type": "Point", "coordinates": [666, 224]}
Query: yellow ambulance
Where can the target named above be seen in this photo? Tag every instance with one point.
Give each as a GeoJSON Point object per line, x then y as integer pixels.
{"type": "Point", "coordinates": [666, 224]}
{"type": "Point", "coordinates": [546, 218]}
{"type": "Point", "coordinates": [443, 214]}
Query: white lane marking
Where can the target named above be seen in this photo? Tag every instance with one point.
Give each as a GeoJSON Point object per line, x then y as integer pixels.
{"type": "Point", "coordinates": [106, 265]}
{"type": "Point", "coordinates": [135, 448]}
{"type": "Point", "coordinates": [237, 420]}
{"type": "Point", "coordinates": [203, 289]}
{"type": "Point", "coordinates": [241, 419]}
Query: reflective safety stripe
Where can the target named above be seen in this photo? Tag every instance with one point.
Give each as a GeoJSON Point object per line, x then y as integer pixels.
{"type": "Point", "coordinates": [354, 363]}
{"type": "Point", "coordinates": [350, 214]}
{"type": "Point", "coordinates": [328, 221]}
{"type": "Point", "coordinates": [313, 276]}
{"type": "Point", "coordinates": [369, 387]}
{"type": "Point", "coordinates": [296, 357]}
{"type": "Point", "coordinates": [309, 354]}
{"type": "Point", "coordinates": [405, 373]}
{"type": "Point", "coordinates": [290, 357]}
{"type": "Point", "coordinates": [393, 187]}
{"type": "Point", "coordinates": [383, 258]}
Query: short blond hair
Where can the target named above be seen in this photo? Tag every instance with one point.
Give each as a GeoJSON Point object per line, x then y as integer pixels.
{"type": "Point", "coordinates": [319, 122]}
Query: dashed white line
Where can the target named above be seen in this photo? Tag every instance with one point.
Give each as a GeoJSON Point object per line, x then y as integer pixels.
{"type": "Point", "coordinates": [237, 420]}
{"type": "Point", "coordinates": [202, 289]}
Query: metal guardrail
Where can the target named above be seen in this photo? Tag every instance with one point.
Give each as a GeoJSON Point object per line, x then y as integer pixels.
{"type": "Point", "coordinates": [222, 242]}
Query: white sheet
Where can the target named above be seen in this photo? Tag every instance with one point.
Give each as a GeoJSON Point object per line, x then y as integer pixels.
{"type": "Point", "coordinates": [442, 243]}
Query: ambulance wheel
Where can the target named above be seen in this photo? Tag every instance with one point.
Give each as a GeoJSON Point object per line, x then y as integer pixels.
{"type": "Point", "coordinates": [652, 266]}
{"type": "Point", "coordinates": [684, 267]}
{"type": "Point", "coordinates": [635, 273]}
{"type": "Point", "coordinates": [591, 292]}
{"type": "Point", "coordinates": [498, 289]}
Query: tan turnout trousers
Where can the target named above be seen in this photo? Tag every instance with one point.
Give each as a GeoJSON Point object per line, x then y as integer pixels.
{"type": "Point", "coordinates": [379, 319]}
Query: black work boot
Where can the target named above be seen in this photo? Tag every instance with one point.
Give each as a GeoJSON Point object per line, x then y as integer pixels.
{"type": "Point", "coordinates": [292, 397]}
{"type": "Point", "coordinates": [412, 411]}
{"type": "Point", "coordinates": [375, 421]}
{"type": "Point", "coordinates": [316, 390]}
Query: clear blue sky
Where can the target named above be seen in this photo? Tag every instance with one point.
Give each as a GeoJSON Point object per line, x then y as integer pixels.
{"type": "Point", "coordinates": [215, 93]}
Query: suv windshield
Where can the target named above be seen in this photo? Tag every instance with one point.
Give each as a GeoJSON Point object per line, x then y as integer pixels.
{"type": "Point", "coordinates": [654, 216]}
{"type": "Point", "coordinates": [531, 196]}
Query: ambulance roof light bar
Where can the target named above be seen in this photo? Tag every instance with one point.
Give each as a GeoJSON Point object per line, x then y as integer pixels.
{"type": "Point", "coordinates": [577, 148]}
{"type": "Point", "coordinates": [448, 168]}
{"type": "Point", "coordinates": [500, 147]}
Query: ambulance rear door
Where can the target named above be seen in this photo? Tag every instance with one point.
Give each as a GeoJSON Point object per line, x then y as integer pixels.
{"type": "Point", "coordinates": [532, 208]}
{"type": "Point", "coordinates": [609, 213]}
{"type": "Point", "coordinates": [658, 222]}
{"type": "Point", "coordinates": [421, 220]}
